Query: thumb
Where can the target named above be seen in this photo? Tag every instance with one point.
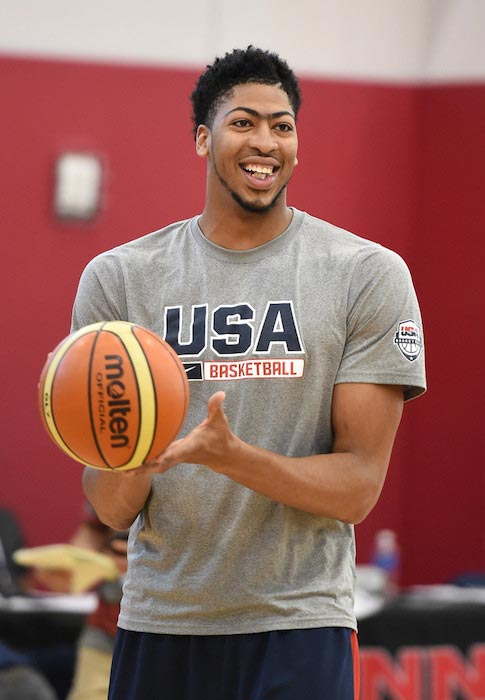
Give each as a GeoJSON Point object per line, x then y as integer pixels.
{"type": "Point", "coordinates": [214, 405]}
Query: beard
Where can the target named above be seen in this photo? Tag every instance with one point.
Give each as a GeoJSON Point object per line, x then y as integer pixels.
{"type": "Point", "coordinates": [254, 206]}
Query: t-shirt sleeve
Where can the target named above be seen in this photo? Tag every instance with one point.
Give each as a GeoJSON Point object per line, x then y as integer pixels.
{"type": "Point", "coordinates": [100, 295]}
{"type": "Point", "coordinates": [384, 343]}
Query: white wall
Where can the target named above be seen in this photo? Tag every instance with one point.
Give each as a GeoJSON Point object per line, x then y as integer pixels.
{"type": "Point", "coordinates": [397, 40]}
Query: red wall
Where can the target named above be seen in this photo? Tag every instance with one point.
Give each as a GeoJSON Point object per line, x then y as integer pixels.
{"type": "Point", "coordinates": [401, 165]}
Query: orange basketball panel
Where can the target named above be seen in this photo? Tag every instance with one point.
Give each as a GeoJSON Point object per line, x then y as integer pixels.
{"type": "Point", "coordinates": [70, 400]}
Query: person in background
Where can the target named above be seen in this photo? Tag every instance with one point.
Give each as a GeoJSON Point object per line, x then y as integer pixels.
{"type": "Point", "coordinates": [96, 641]}
{"type": "Point", "coordinates": [13, 578]}
{"type": "Point", "coordinates": [20, 677]}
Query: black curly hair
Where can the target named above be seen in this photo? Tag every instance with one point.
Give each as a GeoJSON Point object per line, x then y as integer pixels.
{"type": "Point", "coordinates": [240, 66]}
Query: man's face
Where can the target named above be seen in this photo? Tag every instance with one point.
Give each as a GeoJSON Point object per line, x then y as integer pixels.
{"type": "Point", "coordinates": [251, 147]}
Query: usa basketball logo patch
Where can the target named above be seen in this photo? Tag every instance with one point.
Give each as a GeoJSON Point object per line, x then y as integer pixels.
{"type": "Point", "coordinates": [408, 339]}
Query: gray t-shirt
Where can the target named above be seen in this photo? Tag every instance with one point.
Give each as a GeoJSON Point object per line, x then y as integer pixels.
{"type": "Point", "coordinates": [276, 327]}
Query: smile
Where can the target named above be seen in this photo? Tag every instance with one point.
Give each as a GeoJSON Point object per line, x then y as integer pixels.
{"type": "Point", "coordinates": [260, 172]}
{"type": "Point", "coordinates": [259, 176]}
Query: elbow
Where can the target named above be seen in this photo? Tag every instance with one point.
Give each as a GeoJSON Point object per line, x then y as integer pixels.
{"type": "Point", "coordinates": [354, 516]}
{"type": "Point", "coordinates": [362, 503]}
{"type": "Point", "coordinates": [351, 513]}
{"type": "Point", "coordinates": [361, 508]}
{"type": "Point", "coordinates": [113, 517]}
{"type": "Point", "coordinates": [111, 511]}
{"type": "Point", "coordinates": [357, 516]}
{"type": "Point", "coordinates": [115, 522]}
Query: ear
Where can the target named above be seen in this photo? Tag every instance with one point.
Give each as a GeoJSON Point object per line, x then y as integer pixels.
{"type": "Point", "coordinates": [296, 160]}
{"type": "Point", "coordinates": [202, 140]}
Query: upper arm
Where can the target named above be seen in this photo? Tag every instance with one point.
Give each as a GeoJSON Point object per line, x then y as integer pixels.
{"type": "Point", "coordinates": [100, 294]}
{"type": "Point", "coordinates": [365, 419]}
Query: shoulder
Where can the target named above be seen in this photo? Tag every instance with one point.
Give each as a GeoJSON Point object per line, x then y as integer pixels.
{"type": "Point", "coordinates": [141, 248]}
{"type": "Point", "coordinates": [348, 250]}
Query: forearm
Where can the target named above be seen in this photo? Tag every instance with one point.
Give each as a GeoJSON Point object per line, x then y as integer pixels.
{"type": "Point", "coordinates": [116, 497]}
{"type": "Point", "coordinates": [343, 485]}
{"type": "Point", "coordinates": [335, 485]}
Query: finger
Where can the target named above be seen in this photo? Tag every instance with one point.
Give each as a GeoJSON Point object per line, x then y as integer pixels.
{"type": "Point", "coordinates": [214, 405]}
{"type": "Point", "coordinates": [144, 470]}
{"type": "Point", "coordinates": [165, 460]}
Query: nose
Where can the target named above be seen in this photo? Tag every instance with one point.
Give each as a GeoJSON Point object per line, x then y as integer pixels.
{"type": "Point", "coordinates": [263, 138]}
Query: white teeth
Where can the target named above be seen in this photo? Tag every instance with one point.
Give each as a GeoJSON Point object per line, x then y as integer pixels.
{"type": "Point", "coordinates": [265, 169]}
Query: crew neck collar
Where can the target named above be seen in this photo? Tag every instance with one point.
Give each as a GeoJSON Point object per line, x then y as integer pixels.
{"type": "Point", "coordinates": [245, 256]}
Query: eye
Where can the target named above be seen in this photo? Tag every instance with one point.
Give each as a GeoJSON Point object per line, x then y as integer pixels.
{"type": "Point", "coordinates": [284, 127]}
{"type": "Point", "coordinates": [241, 123]}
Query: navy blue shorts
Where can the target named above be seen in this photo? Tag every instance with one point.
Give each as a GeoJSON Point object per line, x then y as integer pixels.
{"type": "Point", "coordinates": [309, 664]}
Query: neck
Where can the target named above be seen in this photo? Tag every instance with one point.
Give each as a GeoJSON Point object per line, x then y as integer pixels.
{"type": "Point", "coordinates": [242, 230]}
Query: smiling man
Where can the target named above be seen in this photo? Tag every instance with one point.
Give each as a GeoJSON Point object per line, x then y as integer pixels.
{"type": "Point", "coordinates": [260, 146]}
{"type": "Point", "coordinates": [241, 556]}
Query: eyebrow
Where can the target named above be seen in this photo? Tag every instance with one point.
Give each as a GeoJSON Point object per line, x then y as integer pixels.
{"type": "Point", "coordinates": [255, 113]}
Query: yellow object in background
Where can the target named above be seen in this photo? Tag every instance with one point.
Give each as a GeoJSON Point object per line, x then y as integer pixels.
{"type": "Point", "coordinates": [87, 568]}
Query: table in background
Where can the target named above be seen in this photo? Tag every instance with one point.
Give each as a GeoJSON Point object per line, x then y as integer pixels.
{"type": "Point", "coordinates": [46, 629]}
{"type": "Point", "coordinates": [426, 644]}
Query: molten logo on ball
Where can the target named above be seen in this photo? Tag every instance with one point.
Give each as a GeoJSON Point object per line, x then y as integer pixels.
{"type": "Point", "coordinates": [118, 406]}
{"type": "Point", "coordinates": [113, 395]}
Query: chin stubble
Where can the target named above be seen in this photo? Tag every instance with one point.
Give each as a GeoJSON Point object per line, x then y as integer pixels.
{"type": "Point", "coordinates": [253, 207]}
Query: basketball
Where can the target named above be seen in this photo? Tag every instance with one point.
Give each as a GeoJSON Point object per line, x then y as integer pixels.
{"type": "Point", "coordinates": [113, 395]}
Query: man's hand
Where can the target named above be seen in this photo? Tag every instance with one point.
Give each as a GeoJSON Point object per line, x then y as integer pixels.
{"type": "Point", "coordinates": [210, 443]}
